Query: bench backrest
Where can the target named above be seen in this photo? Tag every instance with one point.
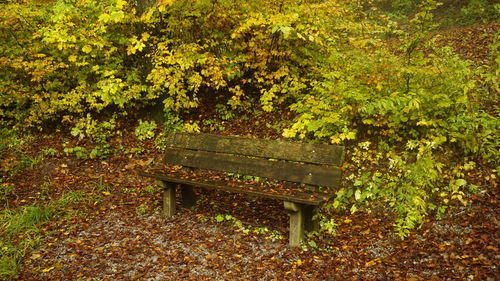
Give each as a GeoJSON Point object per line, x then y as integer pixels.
{"type": "Point", "coordinates": [312, 164]}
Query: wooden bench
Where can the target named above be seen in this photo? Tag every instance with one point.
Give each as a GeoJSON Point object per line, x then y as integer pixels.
{"type": "Point", "coordinates": [299, 172]}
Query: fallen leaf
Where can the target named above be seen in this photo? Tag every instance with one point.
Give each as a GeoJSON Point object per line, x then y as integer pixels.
{"type": "Point", "coordinates": [48, 269]}
{"type": "Point", "coordinates": [372, 262]}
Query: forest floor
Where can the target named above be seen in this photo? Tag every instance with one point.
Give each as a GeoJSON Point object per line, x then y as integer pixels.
{"type": "Point", "coordinates": [120, 234]}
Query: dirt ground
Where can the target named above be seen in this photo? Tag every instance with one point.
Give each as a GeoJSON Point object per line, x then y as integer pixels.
{"type": "Point", "coordinates": [122, 236]}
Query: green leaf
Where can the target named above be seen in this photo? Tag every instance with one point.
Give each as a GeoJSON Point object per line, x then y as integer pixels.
{"type": "Point", "coordinates": [286, 31]}
{"type": "Point", "coordinates": [354, 209]}
{"type": "Point", "coordinates": [357, 194]}
{"type": "Point", "coordinates": [336, 204]}
{"type": "Point", "coordinates": [312, 244]}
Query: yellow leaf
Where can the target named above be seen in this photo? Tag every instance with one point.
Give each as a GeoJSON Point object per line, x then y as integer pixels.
{"type": "Point", "coordinates": [106, 193]}
{"type": "Point", "coordinates": [146, 17]}
{"type": "Point", "coordinates": [87, 49]}
{"type": "Point", "coordinates": [120, 4]}
{"type": "Point", "coordinates": [48, 269]}
{"type": "Point", "coordinates": [145, 36]}
{"type": "Point", "coordinates": [165, 2]}
{"type": "Point", "coordinates": [372, 262]}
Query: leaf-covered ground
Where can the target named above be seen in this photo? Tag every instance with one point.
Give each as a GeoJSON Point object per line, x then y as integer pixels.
{"type": "Point", "coordinates": [121, 235]}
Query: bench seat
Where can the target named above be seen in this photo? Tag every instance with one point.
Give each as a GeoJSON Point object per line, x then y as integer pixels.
{"type": "Point", "coordinates": [281, 192]}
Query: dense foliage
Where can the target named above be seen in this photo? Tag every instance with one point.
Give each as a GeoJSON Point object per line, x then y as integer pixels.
{"type": "Point", "coordinates": [347, 70]}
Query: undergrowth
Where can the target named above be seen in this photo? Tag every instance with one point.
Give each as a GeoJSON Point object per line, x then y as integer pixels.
{"type": "Point", "coordinates": [350, 71]}
{"type": "Point", "coordinates": [21, 229]}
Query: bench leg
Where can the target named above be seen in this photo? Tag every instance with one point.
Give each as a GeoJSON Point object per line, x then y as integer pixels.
{"type": "Point", "coordinates": [310, 224]}
{"type": "Point", "coordinates": [297, 219]}
{"type": "Point", "coordinates": [188, 196]}
{"type": "Point", "coordinates": [168, 199]}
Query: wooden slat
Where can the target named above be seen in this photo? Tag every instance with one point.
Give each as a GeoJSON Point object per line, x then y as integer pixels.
{"type": "Point", "coordinates": [301, 152]}
{"type": "Point", "coordinates": [302, 198]}
{"type": "Point", "coordinates": [281, 170]}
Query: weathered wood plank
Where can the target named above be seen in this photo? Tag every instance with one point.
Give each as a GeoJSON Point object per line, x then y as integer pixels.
{"type": "Point", "coordinates": [277, 149]}
{"type": "Point", "coordinates": [309, 223]}
{"type": "Point", "coordinates": [297, 198]}
{"type": "Point", "coordinates": [281, 170]}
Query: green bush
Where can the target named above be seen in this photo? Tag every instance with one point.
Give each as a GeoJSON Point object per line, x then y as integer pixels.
{"type": "Point", "coordinates": [73, 62]}
{"type": "Point", "coordinates": [145, 130]}
{"type": "Point", "coordinates": [479, 11]}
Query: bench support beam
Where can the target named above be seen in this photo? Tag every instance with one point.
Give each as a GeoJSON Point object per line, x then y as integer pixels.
{"type": "Point", "coordinates": [309, 223]}
{"type": "Point", "coordinates": [168, 199]}
{"type": "Point", "coordinates": [188, 196]}
{"type": "Point", "coordinates": [297, 219]}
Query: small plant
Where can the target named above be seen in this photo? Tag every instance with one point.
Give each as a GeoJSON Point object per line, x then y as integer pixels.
{"type": "Point", "coordinates": [312, 244]}
{"type": "Point", "coordinates": [142, 210]}
{"type": "Point", "coordinates": [261, 230]}
{"type": "Point", "coordinates": [27, 161]}
{"type": "Point", "coordinates": [101, 151]}
{"type": "Point", "coordinates": [13, 222]}
{"type": "Point", "coordinates": [214, 125]}
{"type": "Point", "coordinates": [479, 11]}
{"type": "Point", "coordinates": [5, 190]}
{"type": "Point", "coordinates": [129, 190]}
{"type": "Point", "coordinates": [191, 127]}
{"type": "Point", "coordinates": [49, 152]}
{"type": "Point", "coordinates": [275, 235]}
{"type": "Point", "coordinates": [45, 189]}
{"type": "Point", "coordinates": [98, 132]}
{"type": "Point", "coordinates": [79, 151]}
{"type": "Point", "coordinates": [8, 263]}
{"type": "Point", "coordinates": [72, 197]}
{"type": "Point", "coordinates": [102, 187]}
{"type": "Point", "coordinates": [224, 112]}
{"type": "Point", "coordinates": [6, 137]}
{"type": "Point", "coordinates": [328, 225]}
{"type": "Point", "coordinates": [145, 130]}
{"type": "Point", "coordinates": [152, 189]}
{"type": "Point", "coordinates": [22, 226]}
{"type": "Point", "coordinates": [135, 150]}
{"type": "Point", "coordinates": [237, 223]}
{"type": "Point", "coordinates": [172, 122]}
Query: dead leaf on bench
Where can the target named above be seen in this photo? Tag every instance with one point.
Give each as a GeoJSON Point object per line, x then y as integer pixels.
{"type": "Point", "coordinates": [139, 162]}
